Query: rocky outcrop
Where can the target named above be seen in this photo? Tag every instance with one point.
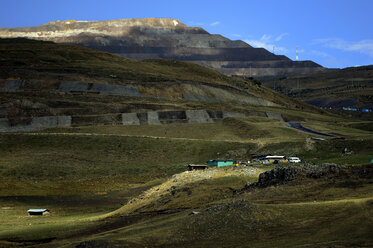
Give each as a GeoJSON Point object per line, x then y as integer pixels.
{"type": "Point", "coordinates": [166, 38]}
{"type": "Point", "coordinates": [284, 175]}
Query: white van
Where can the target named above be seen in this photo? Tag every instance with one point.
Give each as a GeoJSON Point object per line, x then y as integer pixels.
{"type": "Point", "coordinates": [294, 160]}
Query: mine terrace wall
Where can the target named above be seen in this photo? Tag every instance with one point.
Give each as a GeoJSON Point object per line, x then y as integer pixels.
{"type": "Point", "coordinates": [35, 124]}
{"type": "Point", "coordinates": [26, 124]}
{"type": "Point", "coordinates": [146, 118]}
{"type": "Point", "coordinates": [10, 85]}
{"type": "Point", "coordinates": [168, 117]}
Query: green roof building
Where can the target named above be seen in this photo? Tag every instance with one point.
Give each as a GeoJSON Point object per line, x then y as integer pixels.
{"type": "Point", "coordinates": [219, 162]}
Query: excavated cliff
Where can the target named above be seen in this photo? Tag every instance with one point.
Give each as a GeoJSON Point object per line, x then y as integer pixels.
{"type": "Point", "coordinates": [151, 38]}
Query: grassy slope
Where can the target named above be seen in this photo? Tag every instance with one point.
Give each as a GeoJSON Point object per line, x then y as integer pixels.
{"type": "Point", "coordinates": [312, 213]}
{"type": "Point", "coordinates": [58, 164]}
{"type": "Point", "coordinates": [81, 176]}
{"type": "Point", "coordinates": [26, 58]}
{"type": "Point", "coordinates": [113, 157]}
{"type": "Point", "coordinates": [116, 164]}
{"type": "Point", "coordinates": [108, 170]}
{"type": "Point", "coordinates": [35, 60]}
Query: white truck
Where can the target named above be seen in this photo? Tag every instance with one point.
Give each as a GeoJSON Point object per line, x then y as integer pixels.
{"type": "Point", "coordinates": [294, 160]}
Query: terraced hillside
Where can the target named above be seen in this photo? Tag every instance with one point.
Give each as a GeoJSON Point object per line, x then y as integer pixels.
{"type": "Point", "coordinates": [45, 84]}
{"type": "Point", "coordinates": [103, 142]}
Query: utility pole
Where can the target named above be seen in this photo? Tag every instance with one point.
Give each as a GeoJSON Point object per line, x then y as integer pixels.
{"type": "Point", "coordinates": [296, 53]}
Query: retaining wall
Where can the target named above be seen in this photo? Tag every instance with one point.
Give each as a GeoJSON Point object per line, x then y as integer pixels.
{"type": "Point", "coordinates": [37, 123]}
{"type": "Point", "coordinates": [11, 86]}
{"type": "Point", "coordinates": [275, 116]}
{"type": "Point", "coordinates": [167, 117]}
{"type": "Point", "coordinates": [146, 118]}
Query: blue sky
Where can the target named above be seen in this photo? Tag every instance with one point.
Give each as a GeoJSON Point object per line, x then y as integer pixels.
{"type": "Point", "coordinates": [333, 33]}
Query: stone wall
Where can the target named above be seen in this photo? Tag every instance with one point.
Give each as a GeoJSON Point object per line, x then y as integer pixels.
{"type": "Point", "coordinates": [146, 118]}
{"type": "Point", "coordinates": [167, 117]}
{"type": "Point", "coordinates": [11, 86]}
{"type": "Point", "coordinates": [36, 123]}
{"type": "Point", "coordinates": [275, 116]}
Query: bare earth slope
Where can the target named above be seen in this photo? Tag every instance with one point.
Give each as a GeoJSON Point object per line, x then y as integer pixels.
{"type": "Point", "coordinates": [166, 38]}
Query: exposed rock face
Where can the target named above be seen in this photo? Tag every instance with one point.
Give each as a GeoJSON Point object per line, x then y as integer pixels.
{"type": "Point", "coordinates": [166, 38]}
{"type": "Point", "coordinates": [283, 175]}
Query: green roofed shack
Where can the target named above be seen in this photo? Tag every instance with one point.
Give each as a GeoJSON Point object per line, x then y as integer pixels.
{"type": "Point", "coordinates": [219, 162]}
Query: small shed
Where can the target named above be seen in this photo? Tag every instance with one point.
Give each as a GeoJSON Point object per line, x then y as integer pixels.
{"type": "Point", "coordinates": [38, 211]}
{"type": "Point", "coordinates": [196, 167]}
{"type": "Point", "coordinates": [219, 162]}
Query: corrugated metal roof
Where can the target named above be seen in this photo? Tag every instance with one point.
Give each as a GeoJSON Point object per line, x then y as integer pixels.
{"type": "Point", "coordinates": [274, 157]}
{"type": "Point", "coordinates": [37, 210]}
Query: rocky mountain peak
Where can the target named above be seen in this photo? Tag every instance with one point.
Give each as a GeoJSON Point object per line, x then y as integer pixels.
{"type": "Point", "coordinates": [146, 22]}
{"type": "Point", "coordinates": [115, 28]}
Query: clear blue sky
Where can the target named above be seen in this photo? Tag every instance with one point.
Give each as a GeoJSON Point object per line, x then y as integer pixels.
{"type": "Point", "coordinates": [333, 33]}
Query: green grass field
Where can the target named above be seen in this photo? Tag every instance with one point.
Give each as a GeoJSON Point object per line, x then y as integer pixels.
{"type": "Point", "coordinates": [315, 213]}
{"type": "Point", "coordinates": [83, 174]}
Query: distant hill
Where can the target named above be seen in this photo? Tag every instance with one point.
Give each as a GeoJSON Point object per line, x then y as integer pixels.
{"type": "Point", "coordinates": [151, 38]}
{"type": "Point", "coordinates": [335, 89]}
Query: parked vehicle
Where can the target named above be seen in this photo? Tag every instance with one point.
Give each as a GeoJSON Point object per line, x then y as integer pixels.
{"type": "Point", "coordinates": [294, 160]}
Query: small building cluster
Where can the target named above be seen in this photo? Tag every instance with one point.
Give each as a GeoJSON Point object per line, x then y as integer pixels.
{"type": "Point", "coordinates": [276, 159]}
{"type": "Point", "coordinates": [259, 159]}
{"type": "Point", "coordinates": [366, 110]}
{"type": "Point", "coordinates": [211, 163]}
{"type": "Point", "coordinates": [219, 162]}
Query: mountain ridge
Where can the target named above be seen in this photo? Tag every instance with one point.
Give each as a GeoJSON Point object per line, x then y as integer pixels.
{"type": "Point", "coordinates": [167, 38]}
